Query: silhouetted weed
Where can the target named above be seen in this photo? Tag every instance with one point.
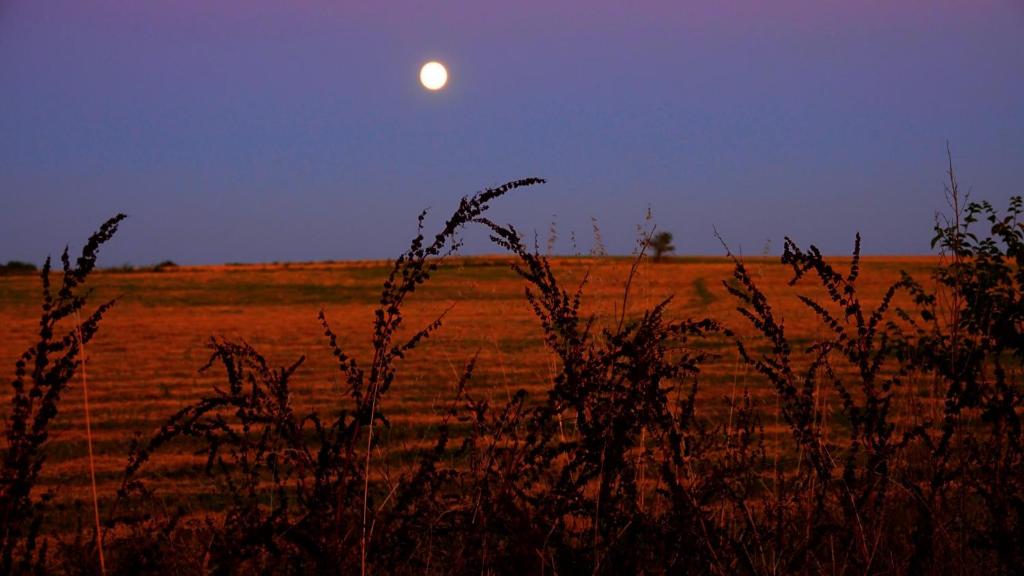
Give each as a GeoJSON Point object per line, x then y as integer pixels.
{"type": "Point", "coordinates": [42, 374]}
{"type": "Point", "coordinates": [617, 467]}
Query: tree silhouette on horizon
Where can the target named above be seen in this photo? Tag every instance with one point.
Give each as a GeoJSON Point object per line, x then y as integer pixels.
{"type": "Point", "coordinates": [661, 244]}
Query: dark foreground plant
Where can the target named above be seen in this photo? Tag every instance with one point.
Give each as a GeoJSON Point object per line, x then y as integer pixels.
{"type": "Point", "coordinates": [896, 479]}
{"type": "Point", "coordinates": [901, 449]}
{"type": "Point", "coordinates": [42, 374]}
{"type": "Point", "coordinates": [299, 487]}
{"type": "Point", "coordinates": [599, 475]}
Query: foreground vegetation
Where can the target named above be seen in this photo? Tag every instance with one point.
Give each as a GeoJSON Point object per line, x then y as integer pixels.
{"type": "Point", "coordinates": [885, 439]}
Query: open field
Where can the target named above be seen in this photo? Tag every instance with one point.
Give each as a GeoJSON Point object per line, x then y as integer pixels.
{"type": "Point", "coordinates": [143, 365]}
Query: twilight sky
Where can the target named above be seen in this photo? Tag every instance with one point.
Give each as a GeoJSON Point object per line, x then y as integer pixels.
{"type": "Point", "coordinates": [297, 130]}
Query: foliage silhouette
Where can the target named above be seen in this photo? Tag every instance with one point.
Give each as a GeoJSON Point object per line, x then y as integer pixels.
{"type": "Point", "coordinates": [42, 374]}
{"type": "Point", "coordinates": [661, 244]}
{"type": "Point", "coordinates": [618, 467]}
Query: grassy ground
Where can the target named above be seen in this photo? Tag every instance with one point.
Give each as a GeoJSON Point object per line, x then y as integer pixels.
{"type": "Point", "coordinates": [144, 363]}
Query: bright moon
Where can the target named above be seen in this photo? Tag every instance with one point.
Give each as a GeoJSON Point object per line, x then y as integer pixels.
{"type": "Point", "coordinates": [433, 76]}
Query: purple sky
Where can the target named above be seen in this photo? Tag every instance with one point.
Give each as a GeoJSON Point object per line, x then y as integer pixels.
{"type": "Point", "coordinates": [259, 131]}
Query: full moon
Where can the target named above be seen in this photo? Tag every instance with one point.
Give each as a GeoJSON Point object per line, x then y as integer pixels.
{"type": "Point", "coordinates": [433, 76]}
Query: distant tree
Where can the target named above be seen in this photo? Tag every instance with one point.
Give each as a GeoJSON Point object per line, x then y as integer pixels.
{"type": "Point", "coordinates": [661, 244]}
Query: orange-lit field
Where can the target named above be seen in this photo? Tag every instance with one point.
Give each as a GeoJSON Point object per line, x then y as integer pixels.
{"type": "Point", "coordinates": [144, 364]}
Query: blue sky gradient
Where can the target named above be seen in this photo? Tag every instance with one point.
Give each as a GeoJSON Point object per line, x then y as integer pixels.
{"type": "Point", "coordinates": [262, 131]}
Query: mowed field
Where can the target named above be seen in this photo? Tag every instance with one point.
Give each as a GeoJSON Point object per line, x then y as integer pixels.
{"type": "Point", "coordinates": [143, 365]}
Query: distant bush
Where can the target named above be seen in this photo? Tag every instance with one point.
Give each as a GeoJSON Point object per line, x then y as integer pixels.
{"type": "Point", "coordinates": [17, 267]}
{"type": "Point", "coordinates": [128, 268]}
